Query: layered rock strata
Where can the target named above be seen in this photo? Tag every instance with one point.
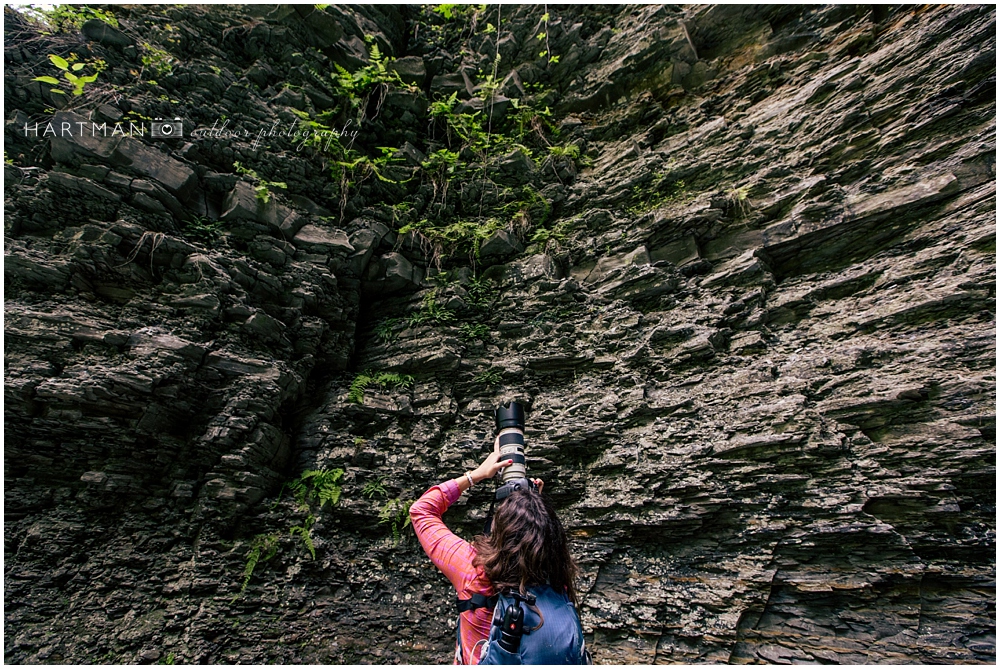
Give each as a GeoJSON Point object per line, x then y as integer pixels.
{"type": "Point", "coordinates": [751, 312]}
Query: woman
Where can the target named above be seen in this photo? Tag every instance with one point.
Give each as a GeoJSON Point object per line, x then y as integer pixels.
{"type": "Point", "coordinates": [526, 548]}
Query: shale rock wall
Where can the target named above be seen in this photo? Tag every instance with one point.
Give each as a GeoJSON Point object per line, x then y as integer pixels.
{"type": "Point", "coordinates": [738, 261]}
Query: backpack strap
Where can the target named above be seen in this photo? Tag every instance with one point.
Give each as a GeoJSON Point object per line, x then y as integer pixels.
{"type": "Point", "coordinates": [477, 601]}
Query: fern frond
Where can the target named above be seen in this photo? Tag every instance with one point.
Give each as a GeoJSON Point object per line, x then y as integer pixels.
{"type": "Point", "coordinates": [306, 536]}
{"type": "Point", "coordinates": [329, 492]}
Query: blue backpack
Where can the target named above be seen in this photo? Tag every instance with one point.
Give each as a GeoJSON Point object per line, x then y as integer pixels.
{"type": "Point", "coordinates": [554, 637]}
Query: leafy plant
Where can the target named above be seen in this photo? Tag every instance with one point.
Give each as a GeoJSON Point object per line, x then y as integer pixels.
{"type": "Point", "coordinates": [396, 514]}
{"type": "Point", "coordinates": [527, 119]}
{"type": "Point", "coordinates": [489, 377]}
{"type": "Point", "coordinates": [352, 169]}
{"type": "Point", "coordinates": [454, 11]}
{"type": "Point", "coordinates": [202, 229]}
{"type": "Point", "coordinates": [383, 381]}
{"type": "Point", "coordinates": [569, 151]}
{"type": "Point", "coordinates": [64, 18]}
{"type": "Point", "coordinates": [472, 331]}
{"type": "Point", "coordinates": [303, 532]}
{"type": "Point", "coordinates": [462, 129]}
{"type": "Point", "coordinates": [360, 167]}
{"type": "Point", "coordinates": [648, 199]}
{"type": "Point", "coordinates": [543, 237]}
{"type": "Point", "coordinates": [364, 79]}
{"type": "Point", "coordinates": [444, 239]}
{"type": "Point", "coordinates": [313, 486]}
{"type": "Point", "coordinates": [447, 11]}
{"type": "Point", "coordinates": [366, 87]}
{"type": "Point", "coordinates": [518, 210]}
{"type": "Point", "coordinates": [442, 279]}
{"type": "Point", "coordinates": [488, 87]}
{"type": "Point", "coordinates": [375, 487]}
{"type": "Point", "coordinates": [263, 547]}
{"type": "Point", "coordinates": [262, 187]}
{"type": "Point", "coordinates": [157, 59]}
{"type": "Point", "coordinates": [318, 133]}
{"type": "Point", "coordinates": [431, 312]}
{"type": "Point", "coordinates": [77, 81]}
{"type": "Point", "coordinates": [480, 293]}
{"type": "Point", "coordinates": [530, 209]}
{"type": "Point", "coordinates": [385, 330]}
{"type": "Point", "coordinates": [440, 168]}
{"type": "Point", "coordinates": [544, 35]}
{"type": "Point", "coordinates": [739, 200]}
{"type": "Point", "coordinates": [317, 485]}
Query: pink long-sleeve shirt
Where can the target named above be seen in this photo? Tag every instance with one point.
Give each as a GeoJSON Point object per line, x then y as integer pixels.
{"type": "Point", "coordinates": [453, 556]}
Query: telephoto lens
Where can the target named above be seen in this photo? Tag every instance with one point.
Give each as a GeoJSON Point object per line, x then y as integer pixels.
{"type": "Point", "coordinates": [510, 428]}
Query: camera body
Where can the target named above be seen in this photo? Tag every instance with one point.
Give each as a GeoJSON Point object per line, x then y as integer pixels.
{"type": "Point", "coordinates": [510, 428]}
{"type": "Point", "coordinates": [165, 129]}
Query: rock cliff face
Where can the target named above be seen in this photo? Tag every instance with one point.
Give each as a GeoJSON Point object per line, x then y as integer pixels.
{"type": "Point", "coordinates": [738, 261]}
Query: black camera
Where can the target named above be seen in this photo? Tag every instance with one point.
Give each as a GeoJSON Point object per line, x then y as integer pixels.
{"type": "Point", "coordinates": [510, 427]}
{"type": "Point", "coordinates": [511, 620]}
{"type": "Point", "coordinates": [512, 628]}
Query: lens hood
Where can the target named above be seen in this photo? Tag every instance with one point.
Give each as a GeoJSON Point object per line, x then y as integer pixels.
{"type": "Point", "coordinates": [509, 415]}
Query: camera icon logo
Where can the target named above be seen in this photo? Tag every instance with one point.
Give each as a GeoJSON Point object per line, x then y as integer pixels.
{"type": "Point", "coordinates": [162, 129]}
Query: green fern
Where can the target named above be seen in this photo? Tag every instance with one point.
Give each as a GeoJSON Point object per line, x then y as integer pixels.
{"type": "Point", "coordinates": [356, 393]}
{"type": "Point", "coordinates": [383, 381]}
{"type": "Point", "coordinates": [489, 377]}
{"type": "Point", "coordinates": [311, 487]}
{"type": "Point", "coordinates": [263, 547]}
{"type": "Point", "coordinates": [303, 531]}
{"type": "Point", "coordinates": [481, 293]}
{"type": "Point", "coordinates": [396, 514]}
{"type": "Point", "coordinates": [329, 492]}
{"type": "Point", "coordinates": [471, 332]}
{"type": "Point", "coordinates": [569, 151]}
{"type": "Point", "coordinates": [317, 485]}
{"type": "Point", "coordinates": [431, 312]}
{"type": "Point", "coordinates": [67, 18]}
{"type": "Point", "coordinates": [375, 487]}
{"type": "Point", "coordinates": [385, 330]}
{"type": "Point", "coordinates": [262, 187]}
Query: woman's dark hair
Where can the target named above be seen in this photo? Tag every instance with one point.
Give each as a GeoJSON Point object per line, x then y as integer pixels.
{"type": "Point", "coordinates": [527, 546]}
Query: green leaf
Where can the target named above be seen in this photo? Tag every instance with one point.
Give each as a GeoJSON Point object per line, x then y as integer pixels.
{"type": "Point", "coordinates": [445, 10]}
{"type": "Point", "coordinates": [90, 78]}
{"type": "Point", "coordinates": [70, 77]}
{"type": "Point", "coordinates": [47, 80]}
{"type": "Point", "coordinates": [56, 90]}
{"type": "Point", "coordinates": [59, 62]}
{"type": "Point", "coordinates": [78, 67]}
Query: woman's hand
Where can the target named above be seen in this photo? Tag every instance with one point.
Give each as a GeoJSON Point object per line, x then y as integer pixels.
{"type": "Point", "coordinates": [491, 465]}
{"type": "Point", "coordinates": [538, 484]}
